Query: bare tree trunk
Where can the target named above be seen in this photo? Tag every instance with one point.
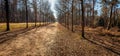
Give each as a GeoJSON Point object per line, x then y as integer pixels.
{"type": "Point", "coordinates": [72, 16]}
{"type": "Point", "coordinates": [87, 17]}
{"type": "Point", "coordinates": [68, 21]}
{"type": "Point", "coordinates": [93, 13]}
{"type": "Point", "coordinates": [7, 15]}
{"type": "Point", "coordinates": [83, 23]}
{"type": "Point", "coordinates": [26, 13]}
{"type": "Point", "coordinates": [35, 11]}
{"type": "Point", "coordinates": [114, 17]}
{"type": "Point", "coordinates": [79, 14]}
{"type": "Point", "coordinates": [110, 20]}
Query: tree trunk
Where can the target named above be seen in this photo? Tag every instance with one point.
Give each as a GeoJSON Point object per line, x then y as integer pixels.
{"type": "Point", "coordinates": [83, 23]}
{"type": "Point", "coordinates": [26, 13]}
{"type": "Point", "coordinates": [35, 11]}
{"type": "Point", "coordinates": [72, 16]}
{"type": "Point", "coordinates": [68, 20]}
{"type": "Point", "coordinates": [93, 13]}
{"type": "Point", "coordinates": [7, 15]}
{"type": "Point", "coordinates": [110, 20]}
{"type": "Point", "coordinates": [79, 14]}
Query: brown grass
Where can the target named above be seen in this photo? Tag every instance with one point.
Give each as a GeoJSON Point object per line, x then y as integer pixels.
{"type": "Point", "coordinates": [16, 26]}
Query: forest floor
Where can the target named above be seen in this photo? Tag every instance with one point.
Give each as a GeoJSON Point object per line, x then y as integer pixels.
{"type": "Point", "coordinates": [51, 40]}
{"type": "Point", "coordinates": [109, 39]}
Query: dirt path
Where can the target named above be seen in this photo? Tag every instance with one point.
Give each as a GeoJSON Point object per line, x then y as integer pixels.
{"type": "Point", "coordinates": [52, 40]}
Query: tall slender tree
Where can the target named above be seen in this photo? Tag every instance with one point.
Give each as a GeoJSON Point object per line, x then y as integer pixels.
{"type": "Point", "coordinates": [112, 4]}
{"type": "Point", "coordinates": [26, 8]}
{"type": "Point", "coordinates": [35, 11]}
{"type": "Point", "coordinates": [83, 23]}
{"type": "Point", "coordinates": [72, 15]}
{"type": "Point", "coordinates": [7, 15]}
{"type": "Point", "coordinates": [93, 13]}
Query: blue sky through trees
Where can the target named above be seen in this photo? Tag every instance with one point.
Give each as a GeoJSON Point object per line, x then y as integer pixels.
{"type": "Point", "coordinates": [54, 2]}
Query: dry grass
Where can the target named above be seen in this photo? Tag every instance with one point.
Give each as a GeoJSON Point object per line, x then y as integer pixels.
{"type": "Point", "coordinates": [108, 38]}
{"type": "Point", "coordinates": [16, 26]}
{"type": "Point", "coordinates": [52, 40]}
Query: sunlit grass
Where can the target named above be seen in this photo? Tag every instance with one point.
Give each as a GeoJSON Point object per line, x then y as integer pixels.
{"type": "Point", "coordinates": [17, 26]}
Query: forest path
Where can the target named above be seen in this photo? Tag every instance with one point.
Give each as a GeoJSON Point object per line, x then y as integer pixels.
{"type": "Point", "coordinates": [51, 40]}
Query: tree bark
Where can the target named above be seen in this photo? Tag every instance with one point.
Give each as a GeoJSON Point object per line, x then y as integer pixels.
{"type": "Point", "coordinates": [83, 23]}
{"type": "Point", "coordinates": [26, 13]}
{"type": "Point", "coordinates": [110, 20]}
{"type": "Point", "coordinates": [72, 16]}
{"type": "Point", "coordinates": [35, 11]}
{"type": "Point", "coordinates": [93, 13]}
{"type": "Point", "coordinates": [7, 15]}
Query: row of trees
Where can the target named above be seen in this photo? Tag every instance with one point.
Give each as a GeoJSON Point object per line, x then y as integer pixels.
{"type": "Point", "coordinates": [82, 12]}
{"type": "Point", "coordinates": [20, 11]}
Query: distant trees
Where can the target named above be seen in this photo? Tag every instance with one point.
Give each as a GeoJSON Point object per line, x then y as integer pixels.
{"type": "Point", "coordinates": [71, 13]}
{"type": "Point", "coordinates": [46, 13]}
{"type": "Point", "coordinates": [113, 4]}
{"type": "Point", "coordinates": [84, 13]}
{"type": "Point", "coordinates": [104, 16]}
{"type": "Point", "coordinates": [110, 4]}
{"type": "Point", "coordinates": [25, 11]}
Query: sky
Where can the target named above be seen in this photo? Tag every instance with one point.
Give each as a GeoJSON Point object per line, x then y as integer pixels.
{"type": "Point", "coordinates": [53, 3]}
{"type": "Point", "coordinates": [52, 6]}
{"type": "Point", "coordinates": [98, 7]}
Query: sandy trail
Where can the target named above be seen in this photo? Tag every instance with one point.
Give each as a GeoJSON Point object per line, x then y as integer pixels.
{"type": "Point", "coordinates": [51, 40]}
